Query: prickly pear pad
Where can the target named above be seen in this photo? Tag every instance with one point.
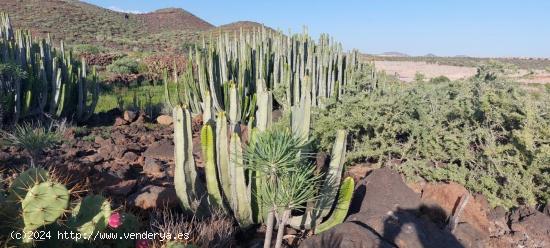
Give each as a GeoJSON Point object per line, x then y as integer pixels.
{"type": "Point", "coordinates": [44, 204]}
{"type": "Point", "coordinates": [91, 215]}
{"type": "Point", "coordinates": [26, 180]}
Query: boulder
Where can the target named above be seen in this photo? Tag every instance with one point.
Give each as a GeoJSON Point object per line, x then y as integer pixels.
{"type": "Point", "coordinates": [120, 122]}
{"type": "Point", "coordinates": [165, 120]}
{"type": "Point", "coordinates": [129, 116]}
{"type": "Point", "coordinates": [530, 227]}
{"type": "Point", "coordinates": [162, 150]}
{"type": "Point", "coordinates": [153, 168]}
{"type": "Point", "coordinates": [447, 196]}
{"type": "Point", "coordinates": [152, 197]}
{"type": "Point", "coordinates": [386, 213]}
{"type": "Point", "coordinates": [122, 188]}
{"type": "Point", "coordinates": [347, 235]}
{"type": "Point", "coordinates": [130, 157]}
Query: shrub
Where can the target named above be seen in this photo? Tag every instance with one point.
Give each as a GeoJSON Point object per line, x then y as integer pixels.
{"type": "Point", "coordinates": [490, 136]}
{"type": "Point", "coordinates": [419, 77]}
{"type": "Point", "coordinates": [88, 49]}
{"type": "Point", "coordinates": [440, 79]}
{"type": "Point", "coordinates": [124, 65]}
{"type": "Point", "coordinates": [33, 137]}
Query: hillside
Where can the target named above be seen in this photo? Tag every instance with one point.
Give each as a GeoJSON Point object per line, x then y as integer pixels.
{"type": "Point", "coordinates": [81, 23]}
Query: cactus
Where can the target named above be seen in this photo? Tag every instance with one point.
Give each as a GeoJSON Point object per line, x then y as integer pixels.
{"type": "Point", "coordinates": [25, 181]}
{"type": "Point", "coordinates": [222, 151]}
{"type": "Point", "coordinates": [212, 185]}
{"type": "Point", "coordinates": [239, 192]}
{"type": "Point", "coordinates": [189, 189]}
{"type": "Point", "coordinates": [329, 189]}
{"type": "Point", "coordinates": [91, 215]}
{"type": "Point", "coordinates": [44, 204]}
{"type": "Point", "coordinates": [56, 84]}
{"type": "Point", "coordinates": [341, 210]}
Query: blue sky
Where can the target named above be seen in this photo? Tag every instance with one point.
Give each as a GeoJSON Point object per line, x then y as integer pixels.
{"type": "Point", "coordinates": [487, 28]}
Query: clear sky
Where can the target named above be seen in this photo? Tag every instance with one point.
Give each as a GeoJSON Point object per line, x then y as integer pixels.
{"type": "Point", "coordinates": [416, 27]}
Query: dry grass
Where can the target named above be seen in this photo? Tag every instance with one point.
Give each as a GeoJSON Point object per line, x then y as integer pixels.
{"type": "Point", "coordinates": [215, 231]}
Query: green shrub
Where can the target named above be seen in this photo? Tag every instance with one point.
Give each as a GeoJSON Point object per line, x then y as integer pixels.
{"type": "Point", "coordinates": [440, 79]}
{"type": "Point", "coordinates": [419, 77]}
{"type": "Point", "coordinates": [89, 49]}
{"type": "Point", "coordinates": [124, 65]}
{"type": "Point", "coordinates": [490, 136]}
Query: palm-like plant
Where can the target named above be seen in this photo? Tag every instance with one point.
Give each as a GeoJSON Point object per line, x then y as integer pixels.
{"type": "Point", "coordinates": [288, 181]}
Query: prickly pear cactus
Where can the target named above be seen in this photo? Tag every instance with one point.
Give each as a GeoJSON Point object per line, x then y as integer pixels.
{"type": "Point", "coordinates": [130, 224]}
{"type": "Point", "coordinates": [91, 215]}
{"type": "Point", "coordinates": [44, 204]}
{"type": "Point", "coordinates": [25, 181]}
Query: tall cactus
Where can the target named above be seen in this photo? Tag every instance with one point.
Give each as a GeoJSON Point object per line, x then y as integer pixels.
{"type": "Point", "coordinates": [189, 188]}
{"type": "Point", "coordinates": [329, 189]}
{"type": "Point", "coordinates": [56, 84]}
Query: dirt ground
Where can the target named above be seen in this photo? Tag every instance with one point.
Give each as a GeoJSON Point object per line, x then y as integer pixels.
{"type": "Point", "coordinates": [406, 71]}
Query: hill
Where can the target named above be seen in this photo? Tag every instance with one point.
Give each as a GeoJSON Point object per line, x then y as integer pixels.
{"type": "Point", "coordinates": [394, 54]}
{"type": "Point", "coordinates": [77, 22]}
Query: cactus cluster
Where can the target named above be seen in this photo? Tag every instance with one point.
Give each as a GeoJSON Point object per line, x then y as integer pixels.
{"type": "Point", "coordinates": [262, 62]}
{"type": "Point", "coordinates": [237, 82]}
{"type": "Point", "coordinates": [230, 185]}
{"type": "Point", "coordinates": [35, 201]}
{"type": "Point", "coordinates": [55, 84]}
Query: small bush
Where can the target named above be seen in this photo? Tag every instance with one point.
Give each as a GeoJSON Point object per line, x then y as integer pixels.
{"type": "Point", "coordinates": [419, 77]}
{"type": "Point", "coordinates": [33, 137]}
{"type": "Point", "coordinates": [124, 65]}
{"type": "Point", "coordinates": [440, 79]}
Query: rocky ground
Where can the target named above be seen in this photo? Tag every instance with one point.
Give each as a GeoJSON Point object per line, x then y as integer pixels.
{"type": "Point", "coordinates": [130, 160]}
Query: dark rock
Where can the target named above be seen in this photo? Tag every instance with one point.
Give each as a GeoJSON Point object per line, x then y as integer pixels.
{"type": "Point", "coordinates": [130, 157]}
{"type": "Point", "coordinates": [530, 226]}
{"type": "Point", "coordinates": [347, 235]}
{"type": "Point", "coordinates": [498, 222]}
{"type": "Point", "coordinates": [153, 168]}
{"type": "Point", "coordinates": [129, 116]}
{"type": "Point", "coordinates": [134, 147]}
{"type": "Point", "coordinates": [162, 150]}
{"type": "Point", "coordinates": [151, 197]}
{"type": "Point", "coordinates": [386, 213]}
{"type": "Point", "coordinates": [546, 209]}
{"type": "Point", "coordinates": [382, 192]}
{"type": "Point", "coordinates": [142, 118]}
{"type": "Point", "coordinates": [122, 188]}
{"type": "Point", "coordinates": [447, 196]}
{"type": "Point", "coordinates": [120, 122]}
{"type": "Point", "coordinates": [96, 158]}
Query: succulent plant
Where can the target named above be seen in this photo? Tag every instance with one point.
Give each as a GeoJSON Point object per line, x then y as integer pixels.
{"type": "Point", "coordinates": [44, 204]}
{"type": "Point", "coordinates": [91, 215]}
{"type": "Point", "coordinates": [55, 85]}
